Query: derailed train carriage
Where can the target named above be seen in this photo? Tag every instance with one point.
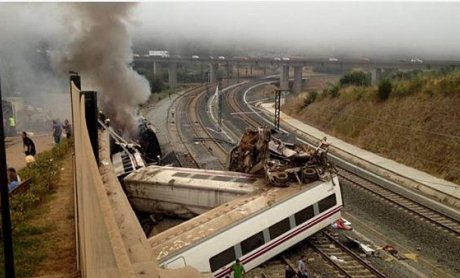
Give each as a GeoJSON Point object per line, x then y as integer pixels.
{"type": "Point", "coordinates": [253, 227]}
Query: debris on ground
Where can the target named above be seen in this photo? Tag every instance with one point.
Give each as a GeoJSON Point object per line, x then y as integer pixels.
{"type": "Point", "coordinates": [390, 249]}
{"type": "Point", "coordinates": [342, 224]}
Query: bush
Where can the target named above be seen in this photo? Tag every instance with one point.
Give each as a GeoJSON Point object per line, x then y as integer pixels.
{"type": "Point", "coordinates": [311, 97]}
{"type": "Point", "coordinates": [385, 88]}
{"type": "Point", "coordinates": [333, 91]}
{"type": "Point", "coordinates": [357, 78]}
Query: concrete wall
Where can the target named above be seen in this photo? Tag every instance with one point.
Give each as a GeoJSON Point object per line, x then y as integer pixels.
{"type": "Point", "coordinates": [109, 238]}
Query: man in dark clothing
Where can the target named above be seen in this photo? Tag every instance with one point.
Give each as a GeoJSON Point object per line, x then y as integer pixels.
{"type": "Point", "coordinates": [28, 144]}
{"type": "Point", "coordinates": [289, 272]}
{"type": "Point", "coordinates": [67, 128]}
{"type": "Point", "coordinates": [57, 132]}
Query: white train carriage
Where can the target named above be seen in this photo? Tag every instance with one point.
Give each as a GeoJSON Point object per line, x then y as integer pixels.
{"type": "Point", "coordinates": [253, 228]}
{"type": "Point", "coordinates": [186, 192]}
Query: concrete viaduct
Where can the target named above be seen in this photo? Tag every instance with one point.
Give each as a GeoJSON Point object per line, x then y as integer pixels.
{"type": "Point", "coordinates": [376, 67]}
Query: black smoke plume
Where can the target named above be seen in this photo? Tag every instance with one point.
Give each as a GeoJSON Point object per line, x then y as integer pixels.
{"type": "Point", "coordinates": [100, 50]}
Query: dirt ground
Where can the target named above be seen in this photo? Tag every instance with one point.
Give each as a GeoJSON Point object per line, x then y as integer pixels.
{"type": "Point", "coordinates": [15, 156]}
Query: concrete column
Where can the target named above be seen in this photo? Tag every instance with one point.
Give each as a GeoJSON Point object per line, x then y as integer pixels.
{"type": "Point", "coordinates": [376, 75]}
{"type": "Point", "coordinates": [213, 72]}
{"type": "Point", "coordinates": [284, 78]}
{"type": "Point", "coordinates": [297, 87]}
{"type": "Point", "coordinates": [172, 76]}
{"type": "Point", "coordinates": [250, 70]}
{"type": "Point", "coordinates": [238, 72]}
{"type": "Point", "coordinates": [228, 69]}
{"type": "Point", "coordinates": [154, 68]}
{"type": "Point", "coordinates": [388, 72]}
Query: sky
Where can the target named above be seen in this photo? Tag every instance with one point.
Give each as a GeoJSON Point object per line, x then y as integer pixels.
{"type": "Point", "coordinates": [314, 29]}
{"type": "Point", "coordinates": [99, 40]}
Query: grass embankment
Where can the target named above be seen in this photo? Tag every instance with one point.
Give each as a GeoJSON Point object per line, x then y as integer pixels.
{"type": "Point", "coordinates": [415, 121]}
{"type": "Point", "coordinates": [31, 229]}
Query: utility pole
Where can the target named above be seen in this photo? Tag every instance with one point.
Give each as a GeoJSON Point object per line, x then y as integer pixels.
{"type": "Point", "coordinates": [6, 218]}
{"type": "Point", "coordinates": [277, 109]}
{"type": "Point", "coordinates": [219, 105]}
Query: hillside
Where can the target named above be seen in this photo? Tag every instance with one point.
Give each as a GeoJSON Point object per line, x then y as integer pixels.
{"type": "Point", "coordinates": [417, 125]}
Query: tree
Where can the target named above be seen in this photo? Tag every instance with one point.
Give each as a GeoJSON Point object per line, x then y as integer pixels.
{"type": "Point", "coordinates": [385, 88]}
{"type": "Point", "coordinates": [357, 78]}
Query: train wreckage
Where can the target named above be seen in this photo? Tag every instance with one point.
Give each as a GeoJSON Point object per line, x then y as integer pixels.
{"type": "Point", "coordinates": [258, 160]}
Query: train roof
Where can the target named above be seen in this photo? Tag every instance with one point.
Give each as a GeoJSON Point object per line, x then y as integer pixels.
{"type": "Point", "coordinates": [223, 217]}
{"type": "Point", "coordinates": [197, 178]}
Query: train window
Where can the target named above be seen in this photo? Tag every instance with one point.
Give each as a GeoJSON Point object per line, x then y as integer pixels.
{"type": "Point", "coordinates": [222, 259]}
{"type": "Point", "coordinates": [222, 178]}
{"type": "Point", "coordinates": [182, 175]}
{"type": "Point", "coordinates": [245, 180]}
{"type": "Point", "coordinates": [327, 203]}
{"type": "Point", "coordinates": [252, 243]}
{"type": "Point", "coordinates": [199, 176]}
{"type": "Point", "coordinates": [304, 215]}
{"type": "Point", "coordinates": [279, 228]}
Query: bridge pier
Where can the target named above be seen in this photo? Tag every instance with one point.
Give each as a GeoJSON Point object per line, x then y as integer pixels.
{"type": "Point", "coordinates": [376, 75]}
{"type": "Point", "coordinates": [297, 87]}
{"type": "Point", "coordinates": [172, 76]}
{"type": "Point", "coordinates": [154, 68]}
{"type": "Point", "coordinates": [213, 72]}
{"type": "Point", "coordinates": [284, 78]}
{"type": "Point", "coordinates": [238, 72]}
{"type": "Point", "coordinates": [229, 70]}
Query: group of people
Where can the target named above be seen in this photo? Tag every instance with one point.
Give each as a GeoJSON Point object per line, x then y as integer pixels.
{"type": "Point", "coordinates": [57, 131]}
{"type": "Point", "coordinates": [29, 145]}
{"type": "Point", "coordinates": [239, 271]}
{"type": "Point", "coordinates": [29, 150]}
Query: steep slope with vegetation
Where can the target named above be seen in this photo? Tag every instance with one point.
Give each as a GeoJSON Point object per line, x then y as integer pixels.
{"type": "Point", "coordinates": [413, 118]}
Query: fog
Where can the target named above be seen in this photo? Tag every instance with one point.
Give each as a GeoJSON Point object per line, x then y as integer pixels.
{"type": "Point", "coordinates": [40, 42]}
{"type": "Point", "coordinates": [310, 29]}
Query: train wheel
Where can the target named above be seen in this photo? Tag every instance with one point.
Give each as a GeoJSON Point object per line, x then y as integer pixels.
{"type": "Point", "coordinates": [309, 174]}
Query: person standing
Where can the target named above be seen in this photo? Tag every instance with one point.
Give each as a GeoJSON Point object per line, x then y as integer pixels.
{"type": "Point", "coordinates": [302, 269]}
{"type": "Point", "coordinates": [57, 132]}
{"type": "Point", "coordinates": [67, 128]}
{"type": "Point", "coordinates": [12, 125]}
{"type": "Point", "coordinates": [238, 269]}
{"type": "Point", "coordinates": [28, 144]}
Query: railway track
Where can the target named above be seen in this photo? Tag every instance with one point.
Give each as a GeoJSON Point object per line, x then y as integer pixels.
{"type": "Point", "coordinates": [182, 153]}
{"type": "Point", "coordinates": [441, 220]}
{"type": "Point", "coordinates": [421, 211]}
{"type": "Point", "coordinates": [346, 263]}
{"type": "Point", "coordinates": [197, 148]}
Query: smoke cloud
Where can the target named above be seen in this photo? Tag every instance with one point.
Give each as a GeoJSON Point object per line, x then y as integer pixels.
{"type": "Point", "coordinates": [26, 31]}
{"type": "Point", "coordinates": [100, 50]}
